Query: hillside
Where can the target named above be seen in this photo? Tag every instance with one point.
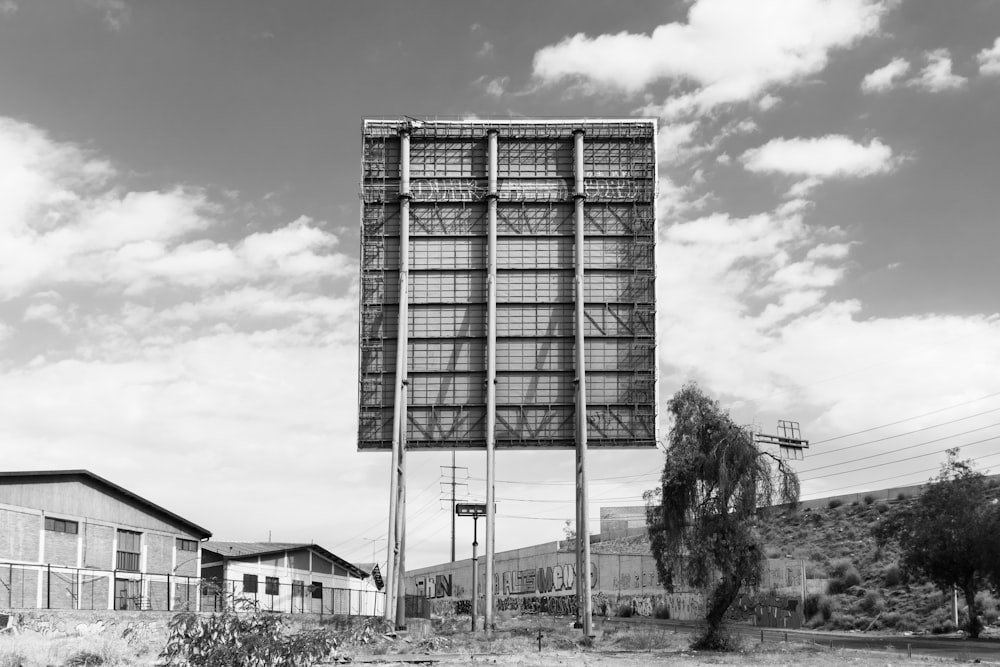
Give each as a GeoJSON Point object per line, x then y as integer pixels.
{"type": "Point", "coordinates": [866, 589]}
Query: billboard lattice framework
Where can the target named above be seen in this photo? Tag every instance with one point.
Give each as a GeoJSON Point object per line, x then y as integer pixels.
{"type": "Point", "coordinates": [535, 295]}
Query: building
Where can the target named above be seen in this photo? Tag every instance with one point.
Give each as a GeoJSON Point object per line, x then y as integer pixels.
{"type": "Point", "coordinates": [70, 539]}
{"type": "Point", "coordinates": [290, 577]}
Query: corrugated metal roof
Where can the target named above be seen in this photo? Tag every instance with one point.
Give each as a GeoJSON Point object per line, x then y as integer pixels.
{"type": "Point", "coordinates": [32, 476]}
{"type": "Point", "coordinates": [240, 550]}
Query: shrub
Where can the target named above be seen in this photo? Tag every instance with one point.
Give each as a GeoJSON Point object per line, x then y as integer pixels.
{"type": "Point", "coordinates": [872, 603]}
{"type": "Point", "coordinates": [252, 639]}
{"type": "Point", "coordinates": [84, 659]}
{"type": "Point", "coordinates": [813, 604]}
{"type": "Point", "coordinates": [945, 627]}
{"type": "Point", "coordinates": [843, 576]}
{"type": "Point", "coordinates": [901, 496]}
{"type": "Point", "coordinates": [869, 499]}
{"type": "Point", "coordinates": [661, 611]}
{"type": "Point", "coordinates": [882, 508]}
{"type": "Point", "coordinates": [892, 576]}
{"type": "Point", "coordinates": [624, 611]}
{"type": "Point", "coordinates": [834, 503]}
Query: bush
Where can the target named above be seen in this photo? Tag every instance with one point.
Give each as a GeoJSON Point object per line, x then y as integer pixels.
{"type": "Point", "coordinates": [943, 628]}
{"type": "Point", "coordinates": [661, 611]}
{"type": "Point", "coordinates": [872, 603]}
{"type": "Point", "coordinates": [901, 496]}
{"type": "Point", "coordinates": [624, 611]}
{"type": "Point", "coordinates": [882, 508]}
{"type": "Point", "coordinates": [892, 576]}
{"type": "Point", "coordinates": [869, 499]}
{"type": "Point", "coordinates": [251, 639]}
{"type": "Point", "coordinates": [817, 605]}
{"type": "Point", "coordinates": [843, 576]}
{"type": "Point", "coordinates": [835, 503]}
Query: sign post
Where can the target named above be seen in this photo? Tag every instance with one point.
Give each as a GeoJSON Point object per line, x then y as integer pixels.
{"type": "Point", "coordinates": [475, 510]}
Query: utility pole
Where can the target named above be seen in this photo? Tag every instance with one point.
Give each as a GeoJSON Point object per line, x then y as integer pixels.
{"type": "Point", "coordinates": [447, 471]}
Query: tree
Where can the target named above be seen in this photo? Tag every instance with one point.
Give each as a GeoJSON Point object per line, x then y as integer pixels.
{"type": "Point", "coordinates": [950, 534]}
{"type": "Point", "coordinates": [715, 484]}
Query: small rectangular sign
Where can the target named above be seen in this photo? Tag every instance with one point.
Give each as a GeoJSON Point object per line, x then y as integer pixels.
{"type": "Point", "coordinates": [470, 509]}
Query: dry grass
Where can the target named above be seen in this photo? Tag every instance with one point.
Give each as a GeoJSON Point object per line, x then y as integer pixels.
{"type": "Point", "coordinates": [516, 644]}
{"type": "Point", "coordinates": [32, 650]}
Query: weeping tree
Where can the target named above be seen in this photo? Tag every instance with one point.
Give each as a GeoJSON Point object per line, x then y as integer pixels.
{"type": "Point", "coordinates": [715, 486]}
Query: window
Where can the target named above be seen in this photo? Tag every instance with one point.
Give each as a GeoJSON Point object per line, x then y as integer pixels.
{"type": "Point", "coordinates": [186, 545]}
{"type": "Point", "coordinates": [298, 589]}
{"type": "Point", "coordinates": [249, 583]}
{"type": "Point", "coordinates": [129, 548]}
{"type": "Point", "coordinates": [271, 585]}
{"type": "Point", "coordinates": [61, 525]}
{"type": "Point", "coordinates": [317, 590]}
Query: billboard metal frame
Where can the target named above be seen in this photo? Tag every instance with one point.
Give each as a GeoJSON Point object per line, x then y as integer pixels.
{"type": "Point", "coordinates": [487, 358]}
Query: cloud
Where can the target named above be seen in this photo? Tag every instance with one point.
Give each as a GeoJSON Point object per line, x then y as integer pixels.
{"type": "Point", "coordinates": [149, 333]}
{"type": "Point", "coordinates": [116, 12]}
{"type": "Point", "coordinates": [64, 223]}
{"type": "Point", "coordinates": [831, 156]}
{"type": "Point", "coordinates": [937, 76]}
{"type": "Point", "coordinates": [746, 308]}
{"type": "Point", "coordinates": [494, 87]}
{"type": "Point", "coordinates": [485, 50]}
{"type": "Point", "coordinates": [885, 77]}
{"type": "Point", "coordinates": [989, 59]}
{"type": "Point", "coordinates": [8, 7]}
{"type": "Point", "coordinates": [730, 50]}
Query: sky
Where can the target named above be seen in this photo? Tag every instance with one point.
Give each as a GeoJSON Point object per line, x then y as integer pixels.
{"type": "Point", "coordinates": [179, 236]}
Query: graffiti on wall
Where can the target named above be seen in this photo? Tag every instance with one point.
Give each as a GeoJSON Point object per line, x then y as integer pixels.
{"type": "Point", "coordinates": [434, 586]}
{"type": "Point", "coordinates": [550, 579]}
{"type": "Point", "coordinates": [768, 610]}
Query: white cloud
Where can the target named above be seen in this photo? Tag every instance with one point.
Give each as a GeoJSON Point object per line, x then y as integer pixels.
{"type": "Point", "coordinates": [937, 76]}
{"type": "Point", "coordinates": [885, 77]}
{"type": "Point", "coordinates": [149, 335]}
{"type": "Point", "coordinates": [830, 156]}
{"type": "Point", "coordinates": [485, 50]}
{"type": "Point", "coordinates": [494, 87]}
{"type": "Point", "coordinates": [989, 59]}
{"type": "Point", "coordinates": [731, 50]}
{"type": "Point", "coordinates": [116, 12]}
{"type": "Point", "coordinates": [8, 7]}
{"type": "Point", "coordinates": [746, 308]}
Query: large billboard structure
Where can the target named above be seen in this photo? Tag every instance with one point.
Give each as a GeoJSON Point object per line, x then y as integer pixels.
{"type": "Point", "coordinates": [519, 255]}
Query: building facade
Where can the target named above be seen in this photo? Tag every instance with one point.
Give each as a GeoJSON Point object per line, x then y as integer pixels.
{"type": "Point", "coordinates": [70, 539]}
{"type": "Point", "coordinates": [298, 578]}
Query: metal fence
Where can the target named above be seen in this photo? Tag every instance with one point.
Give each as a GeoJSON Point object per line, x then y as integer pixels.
{"type": "Point", "coordinates": [293, 598]}
{"type": "Point", "coordinates": [34, 586]}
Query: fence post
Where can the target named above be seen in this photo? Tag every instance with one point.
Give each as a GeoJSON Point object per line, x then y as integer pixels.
{"type": "Point", "coordinates": [48, 585]}
{"type": "Point", "coordinates": [169, 592]}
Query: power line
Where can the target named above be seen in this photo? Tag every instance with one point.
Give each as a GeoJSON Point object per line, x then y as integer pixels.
{"type": "Point", "coordinates": [901, 421]}
{"type": "Point", "coordinates": [905, 474]}
{"type": "Point", "coordinates": [899, 435]}
{"type": "Point", "coordinates": [889, 463]}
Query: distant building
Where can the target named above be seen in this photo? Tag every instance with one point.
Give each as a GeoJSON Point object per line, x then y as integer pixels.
{"type": "Point", "coordinates": [289, 577]}
{"type": "Point", "coordinates": [70, 539]}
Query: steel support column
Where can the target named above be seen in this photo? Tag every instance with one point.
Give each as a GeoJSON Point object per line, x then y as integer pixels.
{"type": "Point", "coordinates": [491, 374]}
{"type": "Point", "coordinates": [582, 513]}
{"type": "Point", "coordinates": [395, 582]}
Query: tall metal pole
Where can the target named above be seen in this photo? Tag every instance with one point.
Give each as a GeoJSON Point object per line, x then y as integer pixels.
{"type": "Point", "coordinates": [453, 506]}
{"type": "Point", "coordinates": [491, 373]}
{"type": "Point", "coordinates": [475, 571]}
{"type": "Point", "coordinates": [397, 491]}
{"type": "Point", "coordinates": [582, 530]}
